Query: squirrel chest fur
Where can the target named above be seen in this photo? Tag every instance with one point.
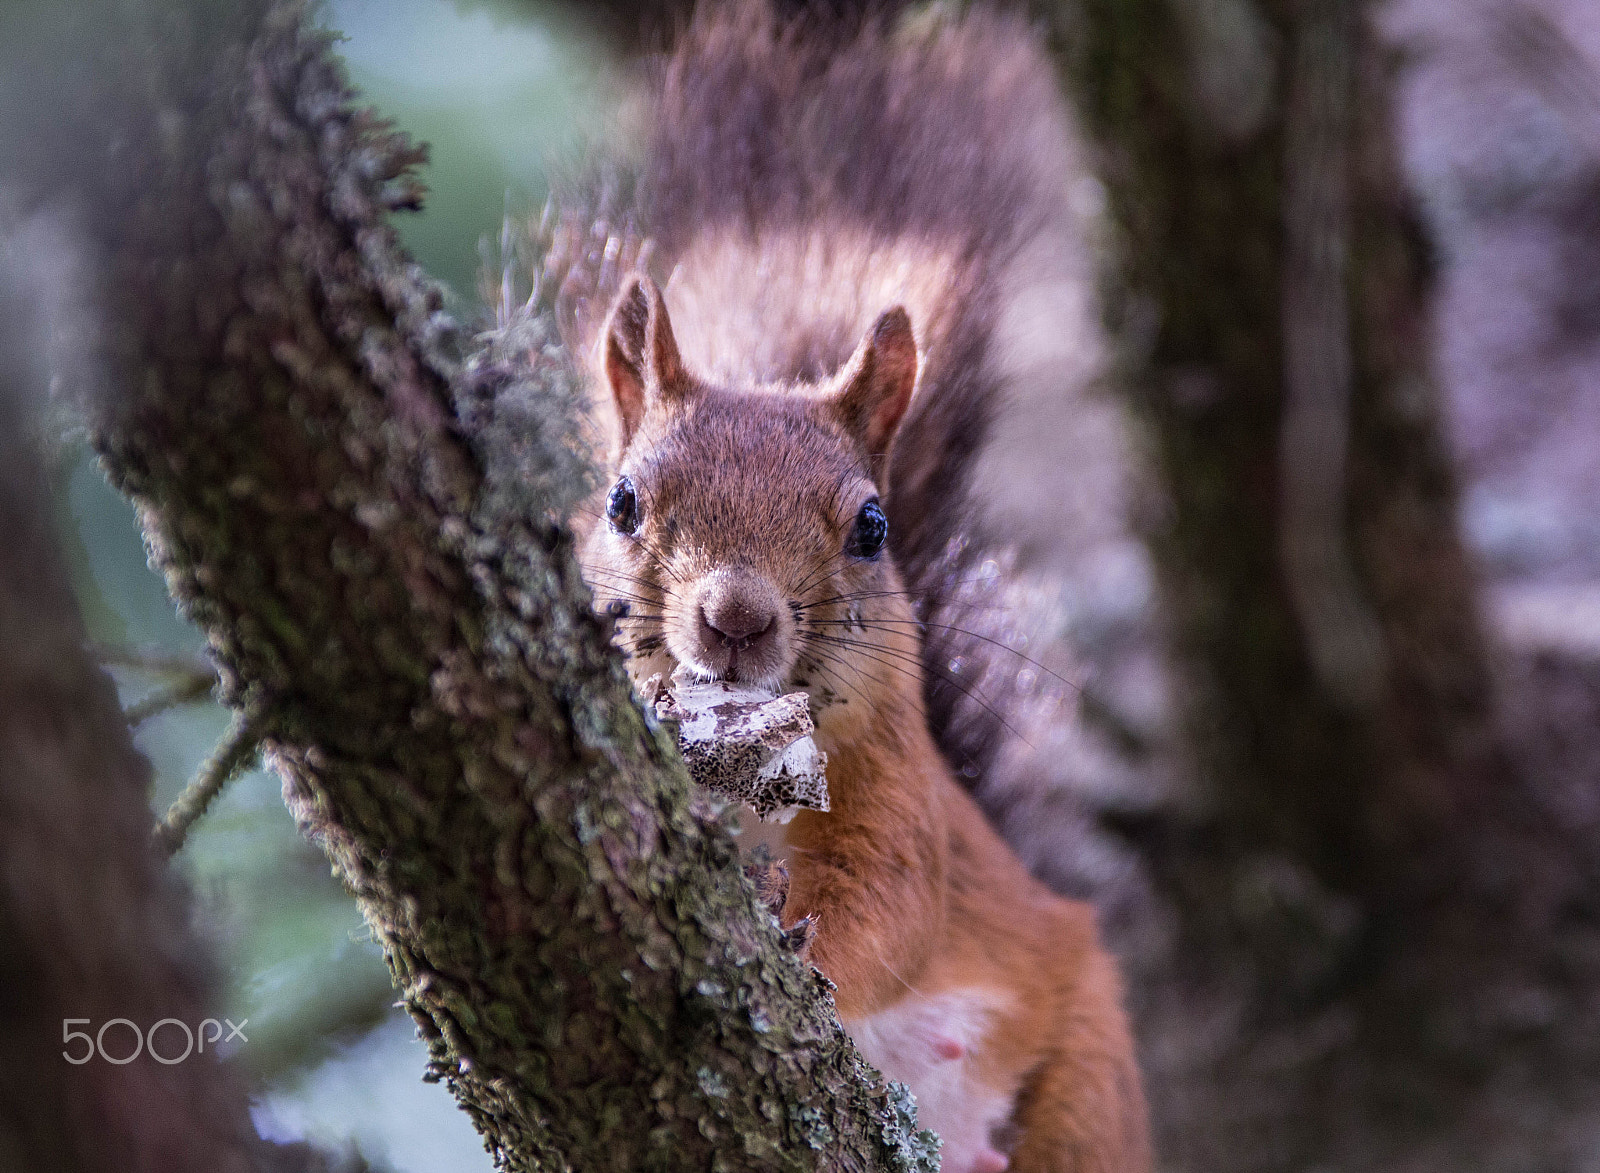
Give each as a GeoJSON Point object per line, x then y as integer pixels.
{"type": "Point", "coordinates": [790, 445]}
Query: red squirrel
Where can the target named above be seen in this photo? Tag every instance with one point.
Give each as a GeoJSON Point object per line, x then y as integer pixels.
{"type": "Point", "coordinates": [838, 237]}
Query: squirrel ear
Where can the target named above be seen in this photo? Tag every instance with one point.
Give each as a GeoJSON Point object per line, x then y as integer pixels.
{"type": "Point", "coordinates": [641, 356]}
{"type": "Point", "coordinates": [876, 384]}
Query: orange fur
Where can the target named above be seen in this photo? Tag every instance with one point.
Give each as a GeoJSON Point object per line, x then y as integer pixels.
{"type": "Point", "coordinates": [914, 894]}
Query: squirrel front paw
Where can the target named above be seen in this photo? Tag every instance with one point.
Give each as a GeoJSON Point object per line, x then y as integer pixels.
{"type": "Point", "coordinates": [798, 937]}
{"type": "Point", "coordinates": [770, 877]}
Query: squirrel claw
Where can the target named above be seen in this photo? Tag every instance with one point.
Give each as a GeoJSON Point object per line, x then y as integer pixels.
{"type": "Point", "coordinates": [770, 877]}
{"type": "Point", "coordinates": [798, 936]}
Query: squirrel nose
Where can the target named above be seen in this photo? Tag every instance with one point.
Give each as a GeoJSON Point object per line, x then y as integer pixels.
{"type": "Point", "coordinates": [740, 626]}
{"type": "Point", "coordinates": [736, 619]}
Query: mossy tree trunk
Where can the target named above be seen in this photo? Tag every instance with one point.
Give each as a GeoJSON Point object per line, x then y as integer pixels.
{"type": "Point", "coordinates": [278, 394]}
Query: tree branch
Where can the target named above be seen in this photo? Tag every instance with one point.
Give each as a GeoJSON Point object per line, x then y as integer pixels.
{"type": "Point", "coordinates": [186, 691]}
{"type": "Point", "coordinates": [237, 748]}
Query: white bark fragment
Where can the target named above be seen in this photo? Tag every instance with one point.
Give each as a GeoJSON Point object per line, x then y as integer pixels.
{"type": "Point", "coordinates": [747, 744]}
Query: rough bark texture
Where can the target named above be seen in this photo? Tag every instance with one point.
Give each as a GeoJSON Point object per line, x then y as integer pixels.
{"type": "Point", "coordinates": [1384, 955]}
{"type": "Point", "coordinates": [92, 926]}
{"type": "Point", "coordinates": [569, 929]}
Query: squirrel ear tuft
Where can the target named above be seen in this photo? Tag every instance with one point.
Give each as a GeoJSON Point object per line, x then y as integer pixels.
{"type": "Point", "coordinates": [876, 384]}
{"type": "Point", "coordinates": [641, 355]}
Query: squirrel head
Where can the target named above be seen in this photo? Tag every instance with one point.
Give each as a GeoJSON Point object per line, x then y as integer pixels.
{"type": "Point", "coordinates": [744, 535]}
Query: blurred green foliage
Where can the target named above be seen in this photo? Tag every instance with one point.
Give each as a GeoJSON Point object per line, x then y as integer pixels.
{"type": "Point", "coordinates": [500, 89]}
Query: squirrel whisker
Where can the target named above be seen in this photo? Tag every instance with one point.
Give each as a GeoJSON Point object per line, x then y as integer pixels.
{"type": "Point", "coordinates": [826, 567]}
{"type": "Point", "coordinates": [644, 584]}
{"type": "Point", "coordinates": [820, 661]}
{"type": "Point", "coordinates": [915, 597]}
{"type": "Point", "coordinates": [923, 623]}
{"type": "Point", "coordinates": [875, 651]}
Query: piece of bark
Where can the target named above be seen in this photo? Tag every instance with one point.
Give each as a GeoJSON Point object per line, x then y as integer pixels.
{"type": "Point", "coordinates": [747, 744]}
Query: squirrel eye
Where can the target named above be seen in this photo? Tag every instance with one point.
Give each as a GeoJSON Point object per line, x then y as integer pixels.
{"type": "Point", "coordinates": [870, 532]}
{"type": "Point", "coordinates": [622, 507]}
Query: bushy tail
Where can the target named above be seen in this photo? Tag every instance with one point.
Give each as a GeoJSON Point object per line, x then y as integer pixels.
{"type": "Point", "coordinates": [919, 152]}
{"type": "Point", "coordinates": [795, 176]}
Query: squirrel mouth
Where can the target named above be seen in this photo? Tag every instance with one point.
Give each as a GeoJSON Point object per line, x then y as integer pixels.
{"type": "Point", "coordinates": [743, 647]}
{"type": "Point", "coordinates": [744, 661]}
{"type": "Point", "coordinates": [731, 671]}
{"type": "Point", "coordinates": [745, 655]}
{"type": "Point", "coordinates": [735, 629]}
